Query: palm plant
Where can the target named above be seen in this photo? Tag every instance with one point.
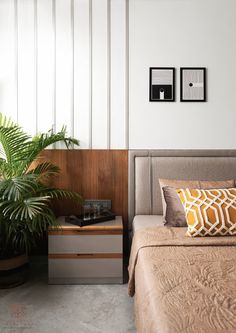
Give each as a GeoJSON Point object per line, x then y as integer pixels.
{"type": "Point", "coordinates": [25, 198]}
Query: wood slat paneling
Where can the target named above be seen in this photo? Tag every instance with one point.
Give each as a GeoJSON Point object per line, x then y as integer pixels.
{"type": "Point", "coordinates": [95, 174]}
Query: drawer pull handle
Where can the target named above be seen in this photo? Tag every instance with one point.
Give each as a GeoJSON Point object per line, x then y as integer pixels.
{"type": "Point", "coordinates": [84, 254]}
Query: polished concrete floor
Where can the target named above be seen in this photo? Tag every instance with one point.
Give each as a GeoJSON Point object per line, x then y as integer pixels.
{"type": "Point", "coordinates": [37, 307]}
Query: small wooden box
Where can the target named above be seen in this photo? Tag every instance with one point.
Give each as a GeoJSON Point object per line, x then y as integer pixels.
{"type": "Point", "coordinates": [86, 255]}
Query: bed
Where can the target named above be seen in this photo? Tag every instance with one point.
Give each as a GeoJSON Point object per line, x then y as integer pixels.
{"type": "Point", "coordinates": [180, 284]}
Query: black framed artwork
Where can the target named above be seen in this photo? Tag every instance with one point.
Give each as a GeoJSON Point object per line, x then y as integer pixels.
{"type": "Point", "coordinates": [162, 84]}
{"type": "Point", "coordinates": [193, 84]}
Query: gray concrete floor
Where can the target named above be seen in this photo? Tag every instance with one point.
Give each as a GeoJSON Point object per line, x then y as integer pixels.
{"type": "Point", "coordinates": [37, 307]}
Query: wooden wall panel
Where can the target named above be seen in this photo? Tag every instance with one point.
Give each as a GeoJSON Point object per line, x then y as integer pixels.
{"type": "Point", "coordinates": [95, 174]}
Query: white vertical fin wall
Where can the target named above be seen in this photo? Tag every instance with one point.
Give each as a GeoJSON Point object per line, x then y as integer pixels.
{"type": "Point", "coordinates": [118, 74]}
{"type": "Point", "coordinates": [82, 72]}
{"type": "Point", "coordinates": [62, 62]}
{"type": "Point", "coordinates": [26, 66]}
{"type": "Point", "coordinates": [64, 77]}
{"type": "Point", "coordinates": [8, 65]}
{"type": "Point", "coordinates": [45, 63]}
{"type": "Point", "coordinates": [100, 112]}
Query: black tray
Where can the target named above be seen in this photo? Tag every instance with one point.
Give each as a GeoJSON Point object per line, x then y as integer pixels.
{"type": "Point", "coordinates": [78, 219]}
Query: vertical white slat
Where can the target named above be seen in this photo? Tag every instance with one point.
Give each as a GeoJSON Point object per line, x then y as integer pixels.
{"type": "Point", "coordinates": [72, 22]}
{"type": "Point", "coordinates": [45, 63]}
{"type": "Point", "coordinates": [118, 73]}
{"type": "Point", "coordinates": [16, 54]}
{"type": "Point", "coordinates": [127, 62]}
{"type": "Point", "coordinates": [64, 65]}
{"type": "Point", "coordinates": [108, 74]}
{"type": "Point", "coordinates": [99, 68]}
{"type": "Point", "coordinates": [81, 72]}
{"type": "Point", "coordinates": [8, 95]}
{"type": "Point", "coordinates": [90, 73]}
{"type": "Point", "coordinates": [26, 66]}
{"type": "Point", "coordinates": [54, 97]}
{"type": "Point", "coordinates": [36, 60]}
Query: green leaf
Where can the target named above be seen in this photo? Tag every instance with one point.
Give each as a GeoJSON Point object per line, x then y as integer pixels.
{"type": "Point", "coordinates": [17, 187]}
{"type": "Point", "coordinates": [45, 170]}
{"type": "Point", "coordinates": [25, 209]}
{"type": "Point", "coordinates": [56, 193]}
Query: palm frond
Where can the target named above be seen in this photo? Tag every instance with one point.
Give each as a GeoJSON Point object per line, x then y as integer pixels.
{"type": "Point", "coordinates": [25, 198]}
{"type": "Point", "coordinates": [56, 193]}
{"type": "Point", "coordinates": [5, 169]}
{"type": "Point", "coordinates": [13, 141]}
{"type": "Point", "coordinates": [45, 170]}
{"type": "Point", "coordinates": [6, 121]}
{"type": "Point", "coordinates": [23, 234]}
{"type": "Point", "coordinates": [25, 209]}
{"type": "Point", "coordinates": [46, 139]}
{"type": "Point", "coordinates": [42, 222]}
{"type": "Point", "coordinates": [41, 142]}
{"type": "Point", "coordinates": [16, 188]}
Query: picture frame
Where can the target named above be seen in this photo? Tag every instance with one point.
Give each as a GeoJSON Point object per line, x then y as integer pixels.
{"type": "Point", "coordinates": [193, 84]}
{"type": "Point", "coordinates": [161, 84]}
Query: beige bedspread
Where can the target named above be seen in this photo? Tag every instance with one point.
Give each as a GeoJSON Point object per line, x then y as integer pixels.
{"type": "Point", "coordinates": [183, 284]}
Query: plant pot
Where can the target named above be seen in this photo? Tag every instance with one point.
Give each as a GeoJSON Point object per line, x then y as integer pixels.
{"type": "Point", "coordinates": [13, 271]}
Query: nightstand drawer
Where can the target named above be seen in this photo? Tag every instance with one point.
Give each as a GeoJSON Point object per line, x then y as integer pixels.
{"type": "Point", "coordinates": [86, 255]}
{"type": "Point", "coordinates": [85, 244]}
{"type": "Point", "coordinates": [101, 270]}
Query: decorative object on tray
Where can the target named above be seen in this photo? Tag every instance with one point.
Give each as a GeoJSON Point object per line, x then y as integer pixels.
{"type": "Point", "coordinates": [162, 84]}
{"type": "Point", "coordinates": [92, 214]}
{"type": "Point", "coordinates": [193, 84]}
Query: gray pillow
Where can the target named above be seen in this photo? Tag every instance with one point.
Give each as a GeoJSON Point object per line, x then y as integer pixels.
{"type": "Point", "coordinates": [176, 183]}
{"type": "Point", "coordinates": [175, 214]}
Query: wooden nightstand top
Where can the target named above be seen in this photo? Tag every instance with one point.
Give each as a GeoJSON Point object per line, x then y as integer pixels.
{"type": "Point", "coordinates": [109, 227]}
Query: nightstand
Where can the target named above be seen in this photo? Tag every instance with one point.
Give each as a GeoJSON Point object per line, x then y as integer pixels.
{"type": "Point", "coordinates": [86, 255]}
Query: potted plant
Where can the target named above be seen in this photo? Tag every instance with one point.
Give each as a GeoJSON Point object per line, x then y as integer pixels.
{"type": "Point", "coordinates": [25, 197]}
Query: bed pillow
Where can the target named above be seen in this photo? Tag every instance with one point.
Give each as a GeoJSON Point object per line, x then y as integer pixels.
{"type": "Point", "coordinates": [174, 183]}
{"type": "Point", "coordinates": [209, 212]}
{"type": "Point", "coordinates": [174, 215]}
{"type": "Point", "coordinates": [211, 184]}
{"type": "Point", "coordinates": [173, 211]}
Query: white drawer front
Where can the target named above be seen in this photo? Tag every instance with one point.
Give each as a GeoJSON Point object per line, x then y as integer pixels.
{"type": "Point", "coordinates": [85, 268]}
{"type": "Point", "coordinates": [85, 244]}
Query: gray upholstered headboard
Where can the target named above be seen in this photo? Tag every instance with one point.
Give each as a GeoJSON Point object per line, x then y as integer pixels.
{"type": "Point", "coordinates": [147, 166]}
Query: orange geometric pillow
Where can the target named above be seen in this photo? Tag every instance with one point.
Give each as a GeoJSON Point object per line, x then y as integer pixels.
{"type": "Point", "coordinates": [209, 212]}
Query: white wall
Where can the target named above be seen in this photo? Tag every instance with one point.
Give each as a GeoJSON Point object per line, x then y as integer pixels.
{"type": "Point", "coordinates": [65, 62]}
{"type": "Point", "coordinates": [183, 33]}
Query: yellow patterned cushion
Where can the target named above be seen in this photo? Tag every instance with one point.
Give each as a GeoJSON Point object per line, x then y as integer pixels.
{"type": "Point", "coordinates": [209, 212]}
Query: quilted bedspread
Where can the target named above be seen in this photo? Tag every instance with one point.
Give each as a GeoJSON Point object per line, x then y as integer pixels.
{"type": "Point", "coordinates": [182, 284]}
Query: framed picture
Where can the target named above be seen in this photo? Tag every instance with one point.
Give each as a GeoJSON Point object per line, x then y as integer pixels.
{"type": "Point", "coordinates": [162, 84]}
{"type": "Point", "coordinates": [193, 84]}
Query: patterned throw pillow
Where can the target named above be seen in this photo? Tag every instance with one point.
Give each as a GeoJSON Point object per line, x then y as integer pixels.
{"type": "Point", "coordinates": [209, 212]}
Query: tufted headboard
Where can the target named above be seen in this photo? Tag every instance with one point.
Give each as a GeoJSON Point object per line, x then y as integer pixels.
{"type": "Point", "coordinates": [147, 166]}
